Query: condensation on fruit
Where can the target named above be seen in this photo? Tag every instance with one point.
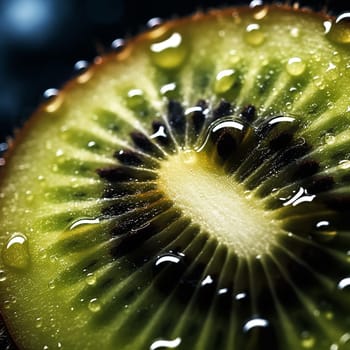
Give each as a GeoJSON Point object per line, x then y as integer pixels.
{"type": "Point", "coordinates": [84, 74]}
{"type": "Point", "coordinates": [54, 100]}
{"type": "Point", "coordinates": [254, 35]}
{"type": "Point", "coordinates": [338, 31]}
{"type": "Point", "coordinates": [15, 253]}
{"type": "Point", "coordinates": [224, 81]}
{"type": "Point", "coordinates": [295, 66]}
{"type": "Point", "coordinates": [169, 53]}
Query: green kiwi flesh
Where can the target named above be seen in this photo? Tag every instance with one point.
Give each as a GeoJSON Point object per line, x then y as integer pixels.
{"type": "Point", "coordinates": [190, 191]}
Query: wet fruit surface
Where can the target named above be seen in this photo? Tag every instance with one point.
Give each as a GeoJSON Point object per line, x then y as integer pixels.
{"type": "Point", "coordinates": [175, 197]}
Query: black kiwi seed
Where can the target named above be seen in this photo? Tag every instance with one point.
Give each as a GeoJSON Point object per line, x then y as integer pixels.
{"type": "Point", "coordinates": [191, 192]}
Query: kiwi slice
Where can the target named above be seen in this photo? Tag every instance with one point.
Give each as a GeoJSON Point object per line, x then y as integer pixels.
{"type": "Point", "coordinates": [189, 191]}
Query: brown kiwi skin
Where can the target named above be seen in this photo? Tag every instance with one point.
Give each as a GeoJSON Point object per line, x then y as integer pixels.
{"type": "Point", "coordinates": [6, 342]}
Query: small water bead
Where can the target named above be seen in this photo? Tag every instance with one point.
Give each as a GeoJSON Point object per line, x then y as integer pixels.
{"type": "Point", "coordinates": [169, 53]}
{"type": "Point", "coordinates": [165, 344]}
{"type": "Point", "coordinates": [261, 12]}
{"type": "Point", "coordinates": [52, 284]}
{"type": "Point", "coordinates": [91, 279]}
{"type": "Point", "coordinates": [295, 32]}
{"type": "Point", "coordinates": [255, 3]}
{"type": "Point", "coordinates": [154, 22]}
{"type": "Point", "coordinates": [168, 90]}
{"type": "Point", "coordinates": [234, 57]}
{"type": "Point", "coordinates": [339, 30]}
{"type": "Point", "coordinates": [118, 44]}
{"type": "Point", "coordinates": [295, 66]}
{"type": "Point", "coordinates": [38, 322]}
{"type": "Point", "coordinates": [94, 305]}
{"type": "Point", "coordinates": [82, 69]}
{"type": "Point", "coordinates": [319, 82]}
{"type": "Point", "coordinates": [135, 98]}
{"type": "Point", "coordinates": [2, 276]}
{"type": "Point", "coordinates": [329, 138]}
{"type": "Point", "coordinates": [54, 100]}
{"type": "Point", "coordinates": [224, 81]}
{"type": "Point", "coordinates": [16, 252]}
{"type": "Point", "coordinates": [254, 34]}
{"type": "Point", "coordinates": [307, 340]}
{"type": "Point", "coordinates": [344, 164]}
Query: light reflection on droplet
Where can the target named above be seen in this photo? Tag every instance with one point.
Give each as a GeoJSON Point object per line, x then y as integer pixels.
{"type": "Point", "coordinates": [254, 323]}
{"type": "Point", "coordinates": [344, 283]}
{"type": "Point", "coordinates": [301, 196]}
{"type": "Point", "coordinates": [54, 100]}
{"type": "Point", "coordinates": [254, 34]}
{"type": "Point", "coordinates": [167, 344]}
{"type": "Point", "coordinates": [169, 53]}
{"type": "Point", "coordinates": [16, 252]}
{"type": "Point", "coordinates": [83, 223]}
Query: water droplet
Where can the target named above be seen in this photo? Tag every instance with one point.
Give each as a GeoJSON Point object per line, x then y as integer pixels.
{"type": "Point", "coordinates": [52, 284]}
{"type": "Point", "coordinates": [82, 69]}
{"type": "Point", "coordinates": [295, 32]}
{"type": "Point", "coordinates": [168, 90]}
{"type": "Point", "coordinates": [339, 30]}
{"type": "Point", "coordinates": [254, 35]}
{"type": "Point", "coordinates": [344, 164]}
{"type": "Point", "coordinates": [54, 100]}
{"type": "Point", "coordinates": [16, 252]}
{"type": "Point", "coordinates": [2, 276]}
{"type": "Point", "coordinates": [307, 340]}
{"type": "Point", "coordinates": [224, 81]}
{"type": "Point", "coordinates": [255, 323]}
{"type": "Point", "coordinates": [90, 279]}
{"type": "Point", "coordinates": [344, 284]}
{"type": "Point", "coordinates": [118, 45]}
{"type": "Point", "coordinates": [154, 22]}
{"type": "Point", "coordinates": [135, 98]}
{"type": "Point", "coordinates": [234, 57]}
{"type": "Point", "coordinates": [59, 153]}
{"type": "Point", "coordinates": [165, 344]}
{"type": "Point", "coordinates": [38, 322]}
{"type": "Point", "coordinates": [301, 196]}
{"type": "Point", "coordinates": [169, 53]}
{"type": "Point", "coordinates": [84, 223]}
{"type": "Point", "coordinates": [261, 12]}
{"type": "Point", "coordinates": [329, 139]}
{"type": "Point", "coordinates": [255, 3]}
{"type": "Point", "coordinates": [295, 66]}
{"type": "Point", "coordinates": [319, 82]}
{"type": "Point", "coordinates": [94, 305]}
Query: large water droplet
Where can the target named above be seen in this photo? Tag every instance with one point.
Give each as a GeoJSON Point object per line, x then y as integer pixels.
{"type": "Point", "coordinates": [254, 34]}
{"type": "Point", "coordinates": [169, 53]}
{"type": "Point", "coordinates": [295, 66]}
{"type": "Point", "coordinates": [16, 252]}
{"type": "Point", "coordinates": [339, 30]}
{"type": "Point", "coordinates": [224, 81]}
{"type": "Point", "coordinates": [54, 100]}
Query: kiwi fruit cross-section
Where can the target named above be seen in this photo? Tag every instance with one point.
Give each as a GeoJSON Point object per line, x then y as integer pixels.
{"type": "Point", "coordinates": [189, 191]}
